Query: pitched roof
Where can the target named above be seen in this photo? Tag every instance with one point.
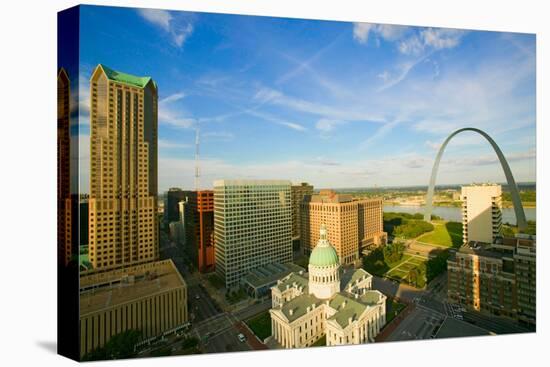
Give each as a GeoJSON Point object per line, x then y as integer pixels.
{"type": "Point", "coordinates": [350, 276]}
{"type": "Point", "coordinates": [346, 307]}
{"type": "Point", "coordinates": [294, 278]}
{"type": "Point", "coordinates": [132, 80]}
{"type": "Point", "coordinates": [299, 306]}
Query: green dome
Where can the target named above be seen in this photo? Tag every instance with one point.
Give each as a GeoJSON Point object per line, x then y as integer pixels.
{"type": "Point", "coordinates": [323, 254]}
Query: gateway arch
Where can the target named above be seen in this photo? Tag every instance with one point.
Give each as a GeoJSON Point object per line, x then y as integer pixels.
{"type": "Point", "coordinates": [518, 207]}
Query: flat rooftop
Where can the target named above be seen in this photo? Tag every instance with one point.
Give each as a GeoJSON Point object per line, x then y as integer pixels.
{"type": "Point", "coordinates": [270, 273]}
{"type": "Point", "coordinates": [105, 290]}
{"type": "Point", "coordinates": [221, 183]}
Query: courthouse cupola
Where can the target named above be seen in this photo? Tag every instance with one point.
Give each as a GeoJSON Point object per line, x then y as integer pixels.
{"type": "Point", "coordinates": [324, 268]}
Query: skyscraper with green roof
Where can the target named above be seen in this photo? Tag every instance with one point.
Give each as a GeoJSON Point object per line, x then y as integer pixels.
{"type": "Point", "coordinates": [123, 228]}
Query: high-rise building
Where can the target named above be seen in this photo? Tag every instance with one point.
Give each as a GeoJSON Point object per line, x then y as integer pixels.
{"type": "Point", "coordinates": [252, 226]}
{"type": "Point", "coordinates": [199, 228]}
{"type": "Point", "coordinates": [123, 222]}
{"type": "Point", "coordinates": [298, 192]}
{"type": "Point", "coordinates": [481, 213]}
{"type": "Point", "coordinates": [150, 298]}
{"type": "Point", "coordinates": [171, 209]}
{"type": "Point", "coordinates": [354, 226]}
{"type": "Point", "coordinates": [83, 220]}
{"type": "Point", "coordinates": [66, 235]}
{"type": "Point", "coordinates": [496, 278]}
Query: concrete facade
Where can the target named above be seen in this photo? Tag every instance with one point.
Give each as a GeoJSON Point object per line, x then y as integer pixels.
{"type": "Point", "coordinates": [252, 226]}
{"type": "Point", "coordinates": [123, 222]}
{"type": "Point", "coordinates": [354, 226]}
{"type": "Point", "coordinates": [298, 193]}
{"type": "Point", "coordinates": [65, 228]}
{"type": "Point", "coordinates": [151, 298]}
{"type": "Point", "coordinates": [481, 212]}
{"type": "Point", "coordinates": [199, 228]}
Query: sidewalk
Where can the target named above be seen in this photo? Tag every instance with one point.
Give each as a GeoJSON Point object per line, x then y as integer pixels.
{"type": "Point", "coordinates": [251, 339]}
{"type": "Point", "coordinates": [389, 328]}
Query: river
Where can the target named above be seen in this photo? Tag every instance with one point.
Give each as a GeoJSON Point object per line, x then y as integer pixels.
{"type": "Point", "coordinates": [454, 214]}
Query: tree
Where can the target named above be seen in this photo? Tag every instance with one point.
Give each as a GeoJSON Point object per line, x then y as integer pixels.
{"type": "Point", "coordinates": [436, 265]}
{"type": "Point", "coordinates": [118, 347]}
{"type": "Point", "coordinates": [393, 252]}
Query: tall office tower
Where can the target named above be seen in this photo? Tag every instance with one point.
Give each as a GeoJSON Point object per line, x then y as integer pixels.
{"type": "Point", "coordinates": [496, 278]}
{"type": "Point", "coordinates": [199, 228]}
{"type": "Point", "coordinates": [354, 226]}
{"type": "Point", "coordinates": [123, 222]}
{"type": "Point", "coordinates": [171, 209]}
{"type": "Point", "coordinates": [298, 192]}
{"type": "Point", "coordinates": [481, 213]}
{"type": "Point", "coordinates": [83, 220]}
{"type": "Point", "coordinates": [252, 226]}
{"type": "Point", "coordinates": [65, 230]}
{"type": "Point", "coordinates": [371, 224]}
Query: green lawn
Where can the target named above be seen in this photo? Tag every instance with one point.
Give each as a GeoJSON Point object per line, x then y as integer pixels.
{"type": "Point", "coordinates": [403, 259]}
{"type": "Point", "coordinates": [445, 234]}
{"type": "Point", "coordinates": [401, 272]}
{"type": "Point", "coordinates": [260, 325]}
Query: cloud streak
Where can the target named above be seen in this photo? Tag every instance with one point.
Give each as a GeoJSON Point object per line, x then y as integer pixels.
{"type": "Point", "coordinates": [178, 31]}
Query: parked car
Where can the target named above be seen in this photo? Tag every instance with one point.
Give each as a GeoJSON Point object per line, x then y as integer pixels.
{"type": "Point", "coordinates": [241, 337]}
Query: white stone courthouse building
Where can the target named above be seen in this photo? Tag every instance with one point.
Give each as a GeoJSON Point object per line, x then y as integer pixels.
{"type": "Point", "coordinates": [327, 300]}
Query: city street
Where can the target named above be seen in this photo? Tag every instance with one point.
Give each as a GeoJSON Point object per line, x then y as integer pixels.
{"type": "Point", "coordinates": [422, 323]}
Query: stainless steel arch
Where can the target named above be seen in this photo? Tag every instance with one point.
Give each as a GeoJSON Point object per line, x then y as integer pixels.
{"type": "Point", "coordinates": [518, 207]}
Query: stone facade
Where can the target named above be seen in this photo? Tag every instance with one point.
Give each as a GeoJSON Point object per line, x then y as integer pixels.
{"type": "Point", "coordinates": [327, 301]}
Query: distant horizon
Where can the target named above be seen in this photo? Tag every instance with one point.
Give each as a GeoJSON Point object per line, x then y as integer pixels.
{"type": "Point", "coordinates": [339, 103]}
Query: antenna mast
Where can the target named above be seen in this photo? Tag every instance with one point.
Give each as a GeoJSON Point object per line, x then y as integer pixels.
{"type": "Point", "coordinates": [197, 164]}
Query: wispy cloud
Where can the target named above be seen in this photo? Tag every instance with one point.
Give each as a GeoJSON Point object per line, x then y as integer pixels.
{"type": "Point", "coordinates": [430, 39]}
{"type": "Point", "coordinates": [401, 73]}
{"type": "Point", "coordinates": [173, 98]}
{"type": "Point", "coordinates": [381, 132]}
{"type": "Point", "coordinates": [170, 115]}
{"type": "Point", "coordinates": [169, 144]}
{"type": "Point", "coordinates": [275, 120]}
{"type": "Point", "coordinates": [326, 125]}
{"type": "Point", "coordinates": [218, 135]}
{"type": "Point", "coordinates": [323, 110]}
{"type": "Point", "coordinates": [178, 30]}
{"type": "Point", "coordinates": [388, 32]}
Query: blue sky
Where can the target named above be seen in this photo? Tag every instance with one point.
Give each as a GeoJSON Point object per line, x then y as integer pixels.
{"type": "Point", "coordinates": [337, 104]}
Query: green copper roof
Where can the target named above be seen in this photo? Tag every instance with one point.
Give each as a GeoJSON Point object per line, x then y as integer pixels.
{"type": "Point", "coordinates": [299, 306]}
{"type": "Point", "coordinates": [346, 307]}
{"type": "Point", "coordinates": [135, 81]}
{"type": "Point", "coordinates": [323, 254]}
